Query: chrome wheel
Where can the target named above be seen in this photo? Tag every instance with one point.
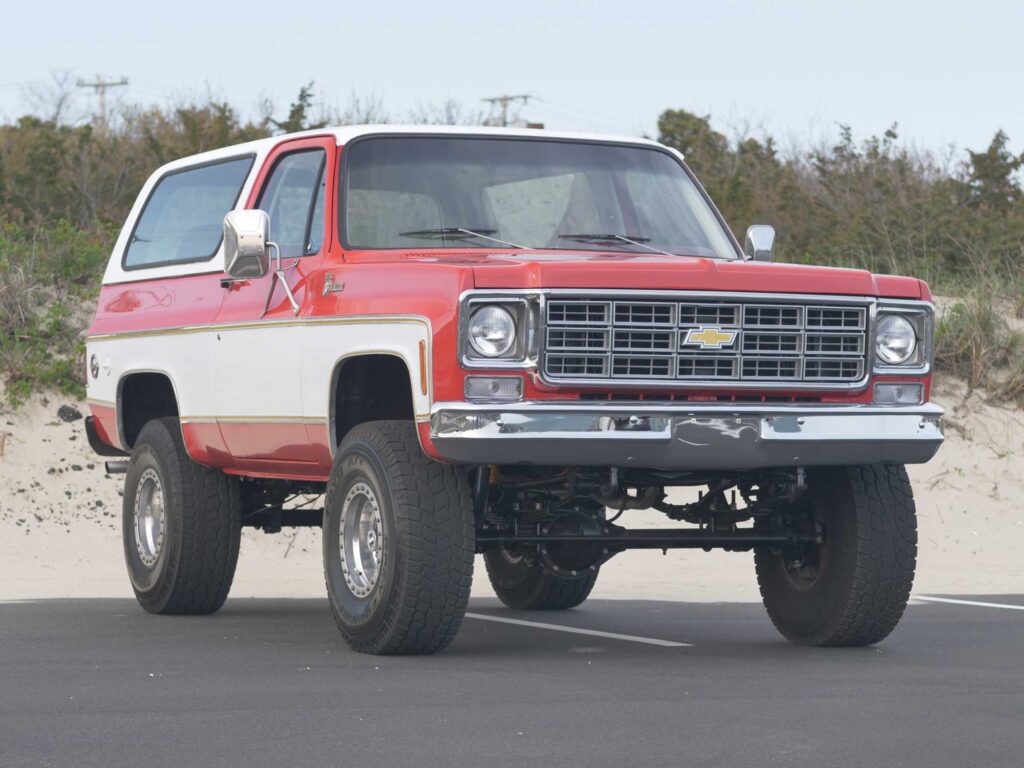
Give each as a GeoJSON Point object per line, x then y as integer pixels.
{"type": "Point", "coordinates": [149, 518]}
{"type": "Point", "coordinates": [361, 540]}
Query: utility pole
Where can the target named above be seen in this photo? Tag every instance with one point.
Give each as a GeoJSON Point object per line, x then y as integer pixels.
{"type": "Point", "coordinates": [502, 104]}
{"type": "Point", "coordinates": [100, 86]}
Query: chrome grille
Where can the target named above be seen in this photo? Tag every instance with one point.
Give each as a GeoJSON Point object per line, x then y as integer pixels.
{"type": "Point", "coordinates": [835, 317]}
{"type": "Point", "coordinates": [740, 340]}
{"type": "Point", "coordinates": [722, 315]}
{"type": "Point", "coordinates": [706, 367]}
{"type": "Point", "coordinates": [576, 365]}
{"type": "Point", "coordinates": [579, 313]}
{"type": "Point", "coordinates": [642, 366]}
{"type": "Point", "coordinates": [755, 342]}
{"type": "Point", "coordinates": [772, 316]}
{"type": "Point", "coordinates": [644, 313]}
{"type": "Point", "coordinates": [643, 341]}
{"type": "Point", "coordinates": [577, 338]}
{"type": "Point", "coordinates": [771, 368]}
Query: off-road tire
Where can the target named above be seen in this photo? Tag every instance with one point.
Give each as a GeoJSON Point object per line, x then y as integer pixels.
{"type": "Point", "coordinates": [867, 560]}
{"type": "Point", "coordinates": [526, 586]}
{"type": "Point", "coordinates": [195, 564]}
{"type": "Point", "coordinates": [419, 598]}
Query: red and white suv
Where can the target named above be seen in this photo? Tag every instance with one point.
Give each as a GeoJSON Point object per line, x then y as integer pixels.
{"type": "Point", "coordinates": [482, 340]}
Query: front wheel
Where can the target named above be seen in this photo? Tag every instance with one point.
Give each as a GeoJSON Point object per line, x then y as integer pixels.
{"type": "Point", "coordinates": [851, 589]}
{"type": "Point", "coordinates": [398, 542]}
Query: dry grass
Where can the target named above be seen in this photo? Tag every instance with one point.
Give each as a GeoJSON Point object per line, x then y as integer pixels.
{"type": "Point", "coordinates": [16, 298]}
{"type": "Point", "coordinates": [976, 342]}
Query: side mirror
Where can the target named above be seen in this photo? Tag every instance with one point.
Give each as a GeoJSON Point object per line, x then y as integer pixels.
{"type": "Point", "coordinates": [246, 236]}
{"type": "Point", "coordinates": [759, 242]}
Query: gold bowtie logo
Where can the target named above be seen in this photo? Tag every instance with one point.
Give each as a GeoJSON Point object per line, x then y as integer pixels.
{"type": "Point", "coordinates": [710, 338]}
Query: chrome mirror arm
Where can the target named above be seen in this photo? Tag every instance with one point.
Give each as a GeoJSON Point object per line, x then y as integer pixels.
{"type": "Point", "coordinates": [277, 277]}
{"type": "Point", "coordinates": [276, 251]}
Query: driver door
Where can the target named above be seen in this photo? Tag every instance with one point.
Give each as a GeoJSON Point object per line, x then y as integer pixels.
{"type": "Point", "coordinates": [256, 371]}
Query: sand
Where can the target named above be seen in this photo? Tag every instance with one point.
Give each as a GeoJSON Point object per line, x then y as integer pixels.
{"type": "Point", "coordinates": [60, 521]}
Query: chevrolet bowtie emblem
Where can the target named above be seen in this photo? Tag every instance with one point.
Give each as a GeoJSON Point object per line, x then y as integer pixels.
{"type": "Point", "coordinates": [710, 338]}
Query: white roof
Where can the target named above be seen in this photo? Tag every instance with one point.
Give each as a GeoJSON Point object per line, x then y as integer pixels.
{"type": "Point", "coordinates": [260, 148]}
{"type": "Point", "coordinates": [346, 133]}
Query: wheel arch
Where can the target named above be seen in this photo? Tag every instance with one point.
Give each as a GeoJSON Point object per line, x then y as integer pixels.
{"type": "Point", "coordinates": [135, 406]}
{"type": "Point", "coordinates": [390, 369]}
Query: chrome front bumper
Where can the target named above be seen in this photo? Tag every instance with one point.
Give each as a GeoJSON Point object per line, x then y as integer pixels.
{"type": "Point", "coordinates": [685, 437]}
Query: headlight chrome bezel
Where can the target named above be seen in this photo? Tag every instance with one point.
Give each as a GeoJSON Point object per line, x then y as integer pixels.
{"type": "Point", "coordinates": [921, 317]}
{"type": "Point", "coordinates": [524, 311]}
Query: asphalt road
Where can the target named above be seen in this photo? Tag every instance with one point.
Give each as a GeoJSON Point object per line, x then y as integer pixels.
{"type": "Point", "coordinates": [270, 683]}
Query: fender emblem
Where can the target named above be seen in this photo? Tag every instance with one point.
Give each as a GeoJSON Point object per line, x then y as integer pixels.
{"type": "Point", "coordinates": [330, 286]}
{"type": "Point", "coordinates": [710, 338]}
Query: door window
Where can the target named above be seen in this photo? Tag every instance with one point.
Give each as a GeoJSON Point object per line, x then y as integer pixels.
{"type": "Point", "coordinates": [293, 197]}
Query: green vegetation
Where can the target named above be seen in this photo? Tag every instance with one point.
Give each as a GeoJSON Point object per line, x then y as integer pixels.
{"type": "Point", "coordinates": [49, 275]}
{"type": "Point", "coordinates": [956, 220]}
{"type": "Point", "coordinates": [875, 204]}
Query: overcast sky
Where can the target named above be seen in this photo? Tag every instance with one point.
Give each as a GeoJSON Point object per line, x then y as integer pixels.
{"type": "Point", "coordinates": [947, 72]}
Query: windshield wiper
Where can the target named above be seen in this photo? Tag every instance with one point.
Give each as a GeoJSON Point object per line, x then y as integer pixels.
{"type": "Point", "coordinates": [636, 240]}
{"type": "Point", "coordinates": [459, 233]}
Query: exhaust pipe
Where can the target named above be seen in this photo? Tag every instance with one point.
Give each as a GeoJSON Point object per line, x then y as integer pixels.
{"type": "Point", "coordinates": [115, 467]}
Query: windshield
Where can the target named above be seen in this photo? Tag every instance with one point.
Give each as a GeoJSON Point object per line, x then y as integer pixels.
{"type": "Point", "coordinates": [467, 192]}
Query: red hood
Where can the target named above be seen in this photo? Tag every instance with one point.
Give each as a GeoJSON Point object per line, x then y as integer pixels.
{"type": "Point", "coordinates": [683, 273]}
{"type": "Point", "coordinates": [577, 269]}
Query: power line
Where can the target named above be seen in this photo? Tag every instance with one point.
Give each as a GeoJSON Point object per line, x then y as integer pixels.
{"type": "Point", "coordinates": [501, 103]}
{"type": "Point", "coordinates": [100, 86]}
{"type": "Point", "coordinates": [582, 116]}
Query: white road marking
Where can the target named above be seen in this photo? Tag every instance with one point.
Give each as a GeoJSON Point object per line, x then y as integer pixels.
{"type": "Point", "coordinates": [577, 631]}
{"type": "Point", "coordinates": [978, 603]}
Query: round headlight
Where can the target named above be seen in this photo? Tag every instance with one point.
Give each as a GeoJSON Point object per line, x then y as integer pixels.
{"type": "Point", "coordinates": [492, 331]}
{"type": "Point", "coordinates": [896, 340]}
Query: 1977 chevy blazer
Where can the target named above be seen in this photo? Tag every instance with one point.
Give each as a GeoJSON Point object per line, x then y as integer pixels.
{"type": "Point", "coordinates": [498, 341]}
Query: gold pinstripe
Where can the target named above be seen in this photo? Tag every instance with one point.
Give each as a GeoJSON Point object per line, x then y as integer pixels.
{"type": "Point", "coordinates": [257, 324]}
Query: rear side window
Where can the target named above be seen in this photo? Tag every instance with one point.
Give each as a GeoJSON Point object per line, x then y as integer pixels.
{"type": "Point", "coordinates": [183, 219]}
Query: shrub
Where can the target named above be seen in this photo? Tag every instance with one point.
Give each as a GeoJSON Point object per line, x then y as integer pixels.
{"type": "Point", "coordinates": [48, 278]}
{"type": "Point", "coordinates": [974, 341]}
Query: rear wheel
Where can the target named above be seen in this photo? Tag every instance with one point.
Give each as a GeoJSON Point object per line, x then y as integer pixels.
{"type": "Point", "coordinates": [181, 525]}
{"type": "Point", "coordinates": [398, 542]}
{"type": "Point", "coordinates": [525, 585]}
{"type": "Point", "coordinates": [851, 589]}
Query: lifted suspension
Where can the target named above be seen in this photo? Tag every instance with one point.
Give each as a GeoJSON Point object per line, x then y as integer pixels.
{"type": "Point", "coordinates": [558, 517]}
{"type": "Point", "coordinates": [654, 538]}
